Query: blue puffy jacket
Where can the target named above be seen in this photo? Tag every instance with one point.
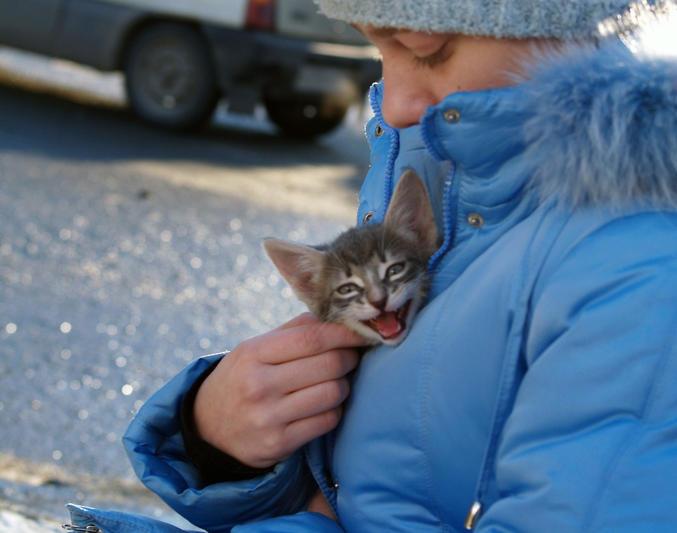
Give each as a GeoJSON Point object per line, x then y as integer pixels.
{"type": "Point", "coordinates": [537, 390]}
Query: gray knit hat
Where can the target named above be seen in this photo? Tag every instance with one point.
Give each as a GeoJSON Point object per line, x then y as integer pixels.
{"type": "Point", "coordinates": [562, 19]}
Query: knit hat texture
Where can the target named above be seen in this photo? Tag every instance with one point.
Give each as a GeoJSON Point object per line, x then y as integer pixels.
{"type": "Point", "coordinates": [561, 19]}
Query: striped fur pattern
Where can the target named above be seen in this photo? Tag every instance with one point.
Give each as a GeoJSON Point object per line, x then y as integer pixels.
{"type": "Point", "coordinates": [371, 278]}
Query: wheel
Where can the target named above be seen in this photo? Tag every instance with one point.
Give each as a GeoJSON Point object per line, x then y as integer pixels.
{"type": "Point", "coordinates": [305, 116]}
{"type": "Point", "coordinates": [169, 76]}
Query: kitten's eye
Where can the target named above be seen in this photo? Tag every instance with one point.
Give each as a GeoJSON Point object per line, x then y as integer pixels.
{"type": "Point", "coordinates": [394, 270]}
{"type": "Point", "coordinates": [347, 289]}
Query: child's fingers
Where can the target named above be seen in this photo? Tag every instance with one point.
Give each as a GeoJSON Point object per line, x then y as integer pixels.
{"type": "Point", "coordinates": [301, 373]}
{"type": "Point", "coordinates": [280, 346]}
{"type": "Point", "coordinates": [313, 400]}
{"type": "Point", "coordinates": [300, 432]}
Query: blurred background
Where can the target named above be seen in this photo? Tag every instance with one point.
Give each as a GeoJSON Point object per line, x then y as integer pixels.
{"type": "Point", "coordinates": [146, 148]}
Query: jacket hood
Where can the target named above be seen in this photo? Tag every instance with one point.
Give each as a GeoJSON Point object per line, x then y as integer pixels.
{"type": "Point", "coordinates": [604, 121]}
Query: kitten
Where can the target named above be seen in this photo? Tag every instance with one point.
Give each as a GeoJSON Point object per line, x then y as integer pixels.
{"type": "Point", "coordinates": [371, 278]}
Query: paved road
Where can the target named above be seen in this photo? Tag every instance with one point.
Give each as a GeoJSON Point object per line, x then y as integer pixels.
{"type": "Point", "coordinates": [125, 252]}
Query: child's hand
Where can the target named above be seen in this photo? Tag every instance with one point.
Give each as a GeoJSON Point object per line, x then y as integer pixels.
{"type": "Point", "coordinates": [276, 392]}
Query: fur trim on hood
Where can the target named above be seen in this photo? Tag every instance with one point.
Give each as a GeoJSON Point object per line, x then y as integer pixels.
{"type": "Point", "coordinates": [604, 127]}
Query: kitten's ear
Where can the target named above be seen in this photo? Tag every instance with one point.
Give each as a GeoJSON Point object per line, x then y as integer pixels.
{"type": "Point", "coordinates": [410, 210]}
{"type": "Point", "coordinates": [299, 265]}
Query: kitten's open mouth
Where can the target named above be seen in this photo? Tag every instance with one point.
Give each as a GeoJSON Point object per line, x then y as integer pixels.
{"type": "Point", "coordinates": [390, 324]}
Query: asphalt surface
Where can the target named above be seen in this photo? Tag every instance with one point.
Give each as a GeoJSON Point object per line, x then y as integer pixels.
{"type": "Point", "coordinates": [126, 252]}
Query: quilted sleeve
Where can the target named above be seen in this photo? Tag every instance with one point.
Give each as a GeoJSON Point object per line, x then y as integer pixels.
{"type": "Point", "coordinates": [155, 448]}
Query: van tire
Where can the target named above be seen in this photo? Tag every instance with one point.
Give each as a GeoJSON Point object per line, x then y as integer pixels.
{"type": "Point", "coordinates": [169, 76]}
{"type": "Point", "coordinates": [305, 116]}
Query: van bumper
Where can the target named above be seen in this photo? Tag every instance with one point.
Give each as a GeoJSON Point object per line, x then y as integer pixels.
{"type": "Point", "coordinates": [278, 63]}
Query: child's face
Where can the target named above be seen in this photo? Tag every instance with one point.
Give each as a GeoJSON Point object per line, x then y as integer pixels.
{"type": "Point", "coordinates": [420, 69]}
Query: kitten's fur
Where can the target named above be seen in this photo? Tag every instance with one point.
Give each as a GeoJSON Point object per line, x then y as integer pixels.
{"type": "Point", "coordinates": [371, 278]}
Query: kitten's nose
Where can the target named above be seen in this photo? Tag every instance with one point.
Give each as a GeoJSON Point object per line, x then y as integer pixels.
{"type": "Point", "coordinates": [379, 304]}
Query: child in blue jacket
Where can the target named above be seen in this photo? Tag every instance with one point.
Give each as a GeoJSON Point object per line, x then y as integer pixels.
{"type": "Point", "coordinates": [536, 390]}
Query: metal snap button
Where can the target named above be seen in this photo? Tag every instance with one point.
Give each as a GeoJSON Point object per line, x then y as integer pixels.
{"type": "Point", "coordinates": [367, 217]}
{"type": "Point", "coordinates": [452, 116]}
{"type": "Point", "coordinates": [475, 220]}
{"type": "Point", "coordinates": [378, 131]}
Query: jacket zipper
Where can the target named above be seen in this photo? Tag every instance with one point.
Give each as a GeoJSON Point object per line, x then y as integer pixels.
{"type": "Point", "coordinates": [448, 214]}
{"type": "Point", "coordinates": [321, 480]}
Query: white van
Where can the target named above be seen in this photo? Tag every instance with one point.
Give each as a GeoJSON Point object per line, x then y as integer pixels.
{"type": "Point", "coordinates": [181, 56]}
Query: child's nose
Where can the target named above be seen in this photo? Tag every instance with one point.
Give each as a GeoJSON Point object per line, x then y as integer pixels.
{"type": "Point", "coordinates": [405, 98]}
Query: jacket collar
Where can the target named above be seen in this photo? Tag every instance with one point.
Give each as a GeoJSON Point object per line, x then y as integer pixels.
{"type": "Point", "coordinates": [603, 123]}
{"type": "Point", "coordinates": [589, 125]}
{"type": "Point", "coordinates": [483, 143]}
{"type": "Point", "coordinates": [479, 131]}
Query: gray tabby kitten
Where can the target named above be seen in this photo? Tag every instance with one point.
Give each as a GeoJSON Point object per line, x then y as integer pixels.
{"type": "Point", "coordinates": [371, 278]}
